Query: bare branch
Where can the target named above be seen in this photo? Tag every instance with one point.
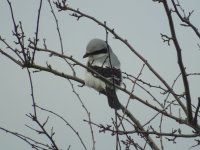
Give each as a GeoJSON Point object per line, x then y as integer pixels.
{"type": "Point", "coordinates": [185, 18]}
{"type": "Point", "coordinates": [197, 111]}
{"type": "Point", "coordinates": [18, 35]}
{"type": "Point", "coordinates": [66, 122]}
{"type": "Point", "coordinates": [149, 140]}
{"type": "Point", "coordinates": [180, 62]}
{"type": "Point", "coordinates": [33, 143]}
{"type": "Point", "coordinates": [32, 95]}
{"type": "Point", "coordinates": [166, 38]}
{"type": "Point", "coordinates": [37, 31]}
{"type": "Point", "coordinates": [12, 58]}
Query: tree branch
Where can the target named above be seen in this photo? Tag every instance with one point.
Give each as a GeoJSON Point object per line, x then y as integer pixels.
{"type": "Point", "coordinates": [180, 62]}
{"type": "Point", "coordinates": [185, 19]}
{"type": "Point", "coordinates": [37, 30]}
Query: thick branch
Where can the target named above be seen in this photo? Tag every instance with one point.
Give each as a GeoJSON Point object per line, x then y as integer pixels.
{"type": "Point", "coordinates": [140, 127]}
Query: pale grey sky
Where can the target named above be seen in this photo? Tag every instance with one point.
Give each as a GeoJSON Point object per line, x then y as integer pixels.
{"type": "Point", "coordinates": [140, 22]}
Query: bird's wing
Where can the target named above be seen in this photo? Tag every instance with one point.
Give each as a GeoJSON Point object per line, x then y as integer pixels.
{"type": "Point", "coordinates": [112, 74]}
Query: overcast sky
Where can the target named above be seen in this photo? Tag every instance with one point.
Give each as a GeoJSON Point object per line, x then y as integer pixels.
{"type": "Point", "coordinates": [140, 22]}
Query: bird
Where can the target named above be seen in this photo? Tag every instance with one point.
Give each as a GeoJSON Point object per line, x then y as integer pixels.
{"type": "Point", "coordinates": [102, 60]}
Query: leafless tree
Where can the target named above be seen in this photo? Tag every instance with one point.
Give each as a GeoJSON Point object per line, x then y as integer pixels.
{"type": "Point", "coordinates": [128, 130]}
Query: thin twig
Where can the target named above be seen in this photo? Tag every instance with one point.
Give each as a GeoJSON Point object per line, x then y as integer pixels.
{"type": "Point", "coordinates": [60, 37]}
{"type": "Point", "coordinates": [17, 52]}
{"type": "Point", "coordinates": [185, 19]}
{"type": "Point", "coordinates": [11, 58]}
{"type": "Point", "coordinates": [32, 94]}
{"type": "Point", "coordinates": [18, 35]}
{"type": "Point", "coordinates": [87, 112]}
{"type": "Point", "coordinates": [33, 143]}
{"type": "Point", "coordinates": [37, 31]}
{"type": "Point", "coordinates": [66, 122]}
{"type": "Point", "coordinates": [133, 87]}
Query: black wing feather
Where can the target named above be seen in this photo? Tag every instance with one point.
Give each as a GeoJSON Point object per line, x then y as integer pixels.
{"type": "Point", "coordinates": [114, 75]}
{"type": "Point", "coordinates": [109, 73]}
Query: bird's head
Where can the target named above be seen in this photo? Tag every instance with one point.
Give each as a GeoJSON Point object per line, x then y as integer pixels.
{"type": "Point", "coordinates": [96, 48]}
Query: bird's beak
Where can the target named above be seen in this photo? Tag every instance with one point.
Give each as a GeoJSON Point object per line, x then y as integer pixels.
{"type": "Point", "coordinates": [86, 55]}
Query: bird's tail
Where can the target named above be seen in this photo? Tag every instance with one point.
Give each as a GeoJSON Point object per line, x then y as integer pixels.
{"type": "Point", "coordinates": [112, 98]}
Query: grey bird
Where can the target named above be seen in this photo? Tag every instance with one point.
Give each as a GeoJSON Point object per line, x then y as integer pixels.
{"type": "Point", "coordinates": [102, 60]}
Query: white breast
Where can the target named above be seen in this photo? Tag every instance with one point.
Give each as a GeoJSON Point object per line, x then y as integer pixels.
{"type": "Point", "coordinates": [94, 82]}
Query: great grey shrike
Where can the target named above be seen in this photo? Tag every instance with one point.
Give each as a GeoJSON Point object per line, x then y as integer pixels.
{"type": "Point", "coordinates": [102, 60]}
